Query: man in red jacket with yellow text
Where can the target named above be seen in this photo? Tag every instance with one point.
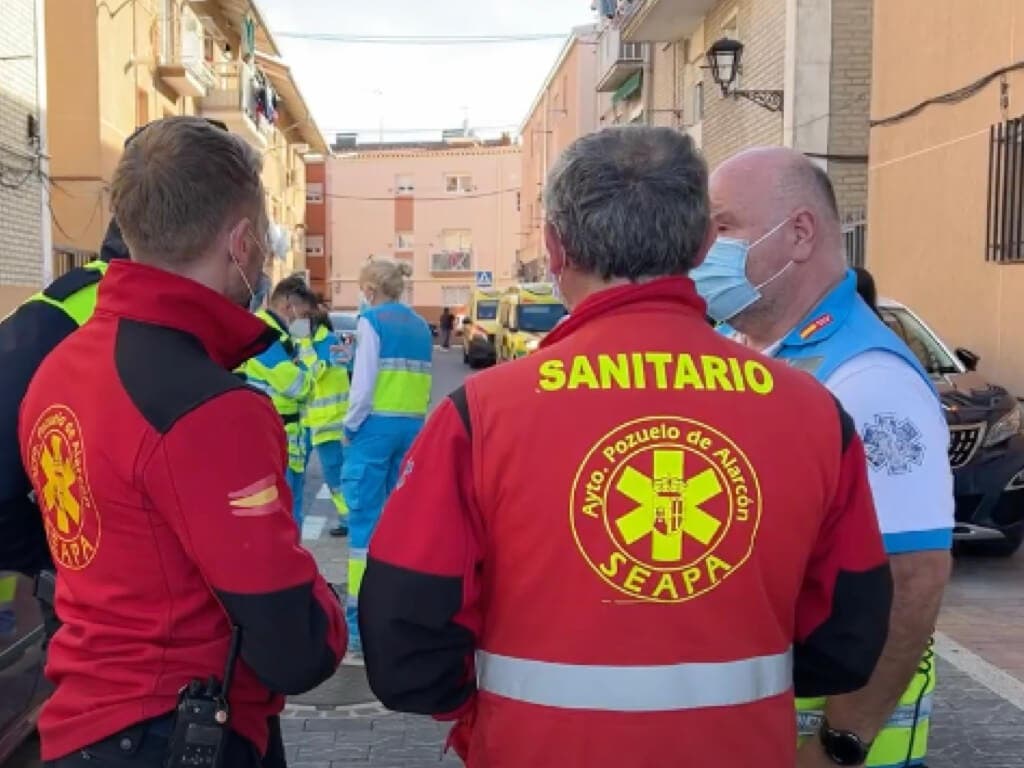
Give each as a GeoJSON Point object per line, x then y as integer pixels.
{"type": "Point", "coordinates": [160, 475]}
{"type": "Point", "coordinates": [632, 546]}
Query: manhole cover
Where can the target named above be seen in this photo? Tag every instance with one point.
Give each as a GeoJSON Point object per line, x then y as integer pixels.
{"type": "Point", "coordinates": [347, 687]}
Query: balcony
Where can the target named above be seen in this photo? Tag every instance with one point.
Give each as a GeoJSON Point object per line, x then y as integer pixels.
{"type": "Point", "coordinates": [617, 61]}
{"type": "Point", "coordinates": [452, 261]}
{"type": "Point", "coordinates": [183, 67]}
{"type": "Point", "coordinates": [663, 21]}
{"type": "Point", "coordinates": [232, 100]}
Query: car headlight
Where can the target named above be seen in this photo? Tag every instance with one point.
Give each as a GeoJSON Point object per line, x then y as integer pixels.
{"type": "Point", "coordinates": [1008, 426]}
{"type": "Point", "coordinates": [532, 344]}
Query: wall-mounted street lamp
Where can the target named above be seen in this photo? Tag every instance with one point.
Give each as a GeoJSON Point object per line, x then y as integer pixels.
{"type": "Point", "coordinates": [724, 62]}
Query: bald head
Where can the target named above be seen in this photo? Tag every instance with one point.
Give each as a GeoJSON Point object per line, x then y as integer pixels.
{"type": "Point", "coordinates": [784, 207]}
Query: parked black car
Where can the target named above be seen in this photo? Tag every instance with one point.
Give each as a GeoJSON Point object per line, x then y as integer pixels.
{"type": "Point", "coordinates": [23, 689]}
{"type": "Point", "coordinates": [986, 439]}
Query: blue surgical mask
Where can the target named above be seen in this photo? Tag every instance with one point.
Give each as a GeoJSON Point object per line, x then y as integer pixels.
{"type": "Point", "coordinates": [722, 278]}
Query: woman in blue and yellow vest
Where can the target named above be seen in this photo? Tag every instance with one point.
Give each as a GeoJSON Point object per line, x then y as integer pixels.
{"type": "Point", "coordinates": [277, 373]}
{"type": "Point", "coordinates": [387, 406]}
{"type": "Point", "coordinates": [325, 410]}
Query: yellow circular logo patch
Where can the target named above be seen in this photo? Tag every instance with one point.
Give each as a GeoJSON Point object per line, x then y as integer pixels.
{"type": "Point", "coordinates": [57, 470]}
{"type": "Point", "coordinates": [665, 508]}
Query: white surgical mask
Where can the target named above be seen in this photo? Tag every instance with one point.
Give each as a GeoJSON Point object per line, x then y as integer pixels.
{"type": "Point", "coordinates": [300, 328]}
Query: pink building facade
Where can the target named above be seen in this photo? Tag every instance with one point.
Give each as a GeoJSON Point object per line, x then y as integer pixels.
{"type": "Point", "coordinates": [450, 210]}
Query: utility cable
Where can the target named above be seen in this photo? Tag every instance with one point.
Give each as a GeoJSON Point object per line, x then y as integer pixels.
{"type": "Point", "coordinates": [952, 97]}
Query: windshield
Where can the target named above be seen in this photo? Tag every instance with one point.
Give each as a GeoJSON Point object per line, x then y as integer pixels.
{"type": "Point", "coordinates": [486, 310]}
{"type": "Point", "coordinates": [539, 318]}
{"type": "Point", "coordinates": [922, 343]}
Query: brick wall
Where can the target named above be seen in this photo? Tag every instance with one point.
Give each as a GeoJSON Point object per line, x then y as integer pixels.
{"type": "Point", "coordinates": [850, 97]}
{"type": "Point", "coordinates": [20, 207]}
{"type": "Point", "coordinates": [731, 125]}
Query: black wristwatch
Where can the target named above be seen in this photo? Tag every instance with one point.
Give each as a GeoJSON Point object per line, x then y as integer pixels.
{"type": "Point", "coordinates": [843, 747]}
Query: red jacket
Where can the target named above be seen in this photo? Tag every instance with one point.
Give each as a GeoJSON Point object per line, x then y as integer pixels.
{"type": "Point", "coordinates": [160, 476]}
{"type": "Point", "coordinates": [644, 534]}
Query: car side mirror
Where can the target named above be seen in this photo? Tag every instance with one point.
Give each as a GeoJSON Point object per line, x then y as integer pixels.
{"type": "Point", "coordinates": [968, 358]}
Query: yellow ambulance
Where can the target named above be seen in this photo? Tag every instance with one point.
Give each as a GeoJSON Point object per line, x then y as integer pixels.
{"type": "Point", "coordinates": [480, 328]}
{"type": "Point", "coordinates": [526, 313]}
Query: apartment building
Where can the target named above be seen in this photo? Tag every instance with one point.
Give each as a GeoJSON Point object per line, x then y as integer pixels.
{"type": "Point", "coordinates": [946, 180]}
{"type": "Point", "coordinates": [449, 208]}
{"type": "Point", "coordinates": [802, 79]}
{"type": "Point", "coordinates": [113, 68]}
{"type": "Point", "coordinates": [565, 109]}
{"type": "Point", "coordinates": [24, 229]}
{"type": "Point", "coordinates": [318, 232]}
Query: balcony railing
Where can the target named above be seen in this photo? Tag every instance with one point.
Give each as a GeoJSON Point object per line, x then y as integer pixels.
{"type": "Point", "coordinates": [183, 65]}
{"type": "Point", "coordinates": [233, 99]}
{"type": "Point", "coordinates": [617, 61]}
{"type": "Point", "coordinates": [452, 261]}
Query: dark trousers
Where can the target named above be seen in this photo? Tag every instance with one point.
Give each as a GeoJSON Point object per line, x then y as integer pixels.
{"type": "Point", "coordinates": [446, 337]}
{"type": "Point", "coordinates": [145, 746]}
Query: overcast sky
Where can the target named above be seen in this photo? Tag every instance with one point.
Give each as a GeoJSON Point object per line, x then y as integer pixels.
{"type": "Point", "coordinates": [358, 86]}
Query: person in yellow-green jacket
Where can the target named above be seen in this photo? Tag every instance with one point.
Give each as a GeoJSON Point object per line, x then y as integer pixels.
{"type": "Point", "coordinates": [278, 373]}
{"type": "Point", "coordinates": [325, 410]}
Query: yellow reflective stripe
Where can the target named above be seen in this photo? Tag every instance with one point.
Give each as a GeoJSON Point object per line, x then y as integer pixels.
{"type": "Point", "coordinates": [356, 569]}
{"type": "Point", "coordinates": [402, 393]}
{"type": "Point", "coordinates": [8, 586]}
{"type": "Point", "coordinates": [636, 688]}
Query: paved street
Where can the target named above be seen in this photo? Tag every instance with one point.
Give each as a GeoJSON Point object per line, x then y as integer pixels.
{"type": "Point", "coordinates": [978, 718]}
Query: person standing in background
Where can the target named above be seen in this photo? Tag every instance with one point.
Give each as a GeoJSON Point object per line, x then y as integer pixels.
{"type": "Point", "coordinates": [446, 324]}
{"type": "Point", "coordinates": [325, 410]}
{"type": "Point", "coordinates": [388, 403]}
{"type": "Point", "coordinates": [276, 373]}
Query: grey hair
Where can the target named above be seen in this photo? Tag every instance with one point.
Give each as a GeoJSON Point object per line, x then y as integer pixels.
{"type": "Point", "coordinates": [630, 202]}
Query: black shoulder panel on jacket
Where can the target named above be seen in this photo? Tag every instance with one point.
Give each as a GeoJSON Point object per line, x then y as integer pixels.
{"type": "Point", "coordinates": [167, 373]}
{"type": "Point", "coordinates": [461, 403]}
{"type": "Point", "coordinates": [846, 425]}
{"type": "Point", "coordinates": [65, 286]}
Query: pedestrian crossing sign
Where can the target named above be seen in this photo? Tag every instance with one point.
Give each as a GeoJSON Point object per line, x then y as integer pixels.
{"type": "Point", "coordinates": [484, 279]}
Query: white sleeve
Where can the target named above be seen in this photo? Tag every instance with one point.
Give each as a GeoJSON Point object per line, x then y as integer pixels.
{"type": "Point", "coordinates": [364, 376]}
{"type": "Point", "coordinates": [906, 441]}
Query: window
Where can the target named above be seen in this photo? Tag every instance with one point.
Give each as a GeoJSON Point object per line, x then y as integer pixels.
{"type": "Point", "coordinates": [404, 241]}
{"type": "Point", "coordinates": [487, 310]}
{"type": "Point", "coordinates": [315, 192]}
{"type": "Point", "coordinates": [66, 259]}
{"type": "Point", "coordinates": [404, 185]}
{"type": "Point", "coordinates": [855, 243]}
{"type": "Point", "coordinates": [1005, 236]}
{"type": "Point", "coordinates": [458, 183]}
{"type": "Point", "coordinates": [314, 245]}
{"type": "Point", "coordinates": [454, 295]}
{"type": "Point", "coordinates": [928, 349]}
{"type": "Point", "coordinates": [457, 240]}
{"type": "Point", "coordinates": [540, 318]}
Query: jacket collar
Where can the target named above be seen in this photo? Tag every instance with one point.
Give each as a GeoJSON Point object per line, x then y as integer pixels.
{"type": "Point", "coordinates": [229, 334]}
{"type": "Point", "coordinates": [827, 317]}
{"type": "Point", "coordinates": [671, 293]}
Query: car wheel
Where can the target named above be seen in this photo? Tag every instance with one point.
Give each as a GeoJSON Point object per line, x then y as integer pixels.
{"type": "Point", "coordinates": [995, 548]}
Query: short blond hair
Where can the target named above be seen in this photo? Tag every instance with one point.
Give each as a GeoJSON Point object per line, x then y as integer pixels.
{"type": "Point", "coordinates": [386, 275]}
{"type": "Point", "coordinates": [178, 183]}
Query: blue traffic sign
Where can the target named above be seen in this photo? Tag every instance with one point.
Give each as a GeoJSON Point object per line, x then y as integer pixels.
{"type": "Point", "coordinates": [484, 279]}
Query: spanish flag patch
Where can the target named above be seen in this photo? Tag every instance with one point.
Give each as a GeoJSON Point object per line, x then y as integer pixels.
{"type": "Point", "coordinates": [256, 500]}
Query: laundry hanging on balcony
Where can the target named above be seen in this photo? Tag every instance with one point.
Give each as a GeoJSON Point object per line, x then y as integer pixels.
{"type": "Point", "coordinates": [266, 98]}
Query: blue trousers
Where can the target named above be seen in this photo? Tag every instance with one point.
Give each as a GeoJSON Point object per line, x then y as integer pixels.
{"type": "Point", "coordinates": [372, 463]}
{"type": "Point", "coordinates": [296, 481]}
{"type": "Point", "coordinates": [332, 458]}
